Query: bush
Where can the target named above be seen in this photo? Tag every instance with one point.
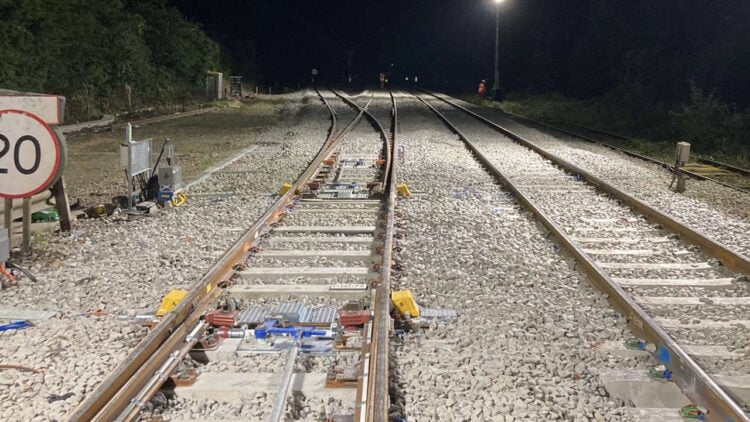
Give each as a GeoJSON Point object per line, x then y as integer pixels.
{"type": "Point", "coordinates": [709, 124]}
{"type": "Point", "coordinates": [627, 109]}
{"type": "Point", "coordinates": [96, 51]}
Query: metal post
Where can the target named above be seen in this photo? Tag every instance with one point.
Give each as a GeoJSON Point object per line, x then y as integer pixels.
{"type": "Point", "coordinates": [9, 221]}
{"type": "Point", "coordinates": [62, 205]}
{"type": "Point", "coordinates": [683, 156]}
{"type": "Point", "coordinates": [26, 244]}
{"type": "Point", "coordinates": [169, 152]}
{"type": "Point", "coordinates": [680, 182]}
{"type": "Point", "coordinates": [286, 383]}
{"type": "Point", "coordinates": [496, 82]}
{"type": "Point", "coordinates": [128, 175]}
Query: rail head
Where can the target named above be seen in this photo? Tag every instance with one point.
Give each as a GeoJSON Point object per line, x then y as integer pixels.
{"type": "Point", "coordinates": [383, 134]}
{"type": "Point", "coordinates": [379, 403]}
{"type": "Point", "coordinates": [375, 384]}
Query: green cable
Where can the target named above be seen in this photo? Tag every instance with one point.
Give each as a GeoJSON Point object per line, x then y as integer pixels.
{"type": "Point", "coordinates": [633, 344]}
{"type": "Point", "coordinates": [659, 372]}
{"type": "Point", "coordinates": [693, 412]}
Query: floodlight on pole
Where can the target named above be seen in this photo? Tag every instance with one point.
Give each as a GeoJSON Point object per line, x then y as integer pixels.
{"type": "Point", "coordinates": [496, 81]}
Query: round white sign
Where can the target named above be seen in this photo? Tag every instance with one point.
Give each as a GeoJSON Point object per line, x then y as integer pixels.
{"type": "Point", "coordinates": [30, 154]}
{"type": "Point", "coordinates": [314, 71]}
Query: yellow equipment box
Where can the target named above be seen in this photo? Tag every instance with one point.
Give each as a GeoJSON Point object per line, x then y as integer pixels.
{"type": "Point", "coordinates": [285, 188]}
{"type": "Point", "coordinates": [170, 301]}
{"type": "Point", "coordinates": [404, 302]}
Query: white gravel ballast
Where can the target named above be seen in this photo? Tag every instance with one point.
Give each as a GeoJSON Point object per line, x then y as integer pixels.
{"type": "Point", "coordinates": [716, 210]}
{"type": "Point", "coordinates": [123, 267]}
{"type": "Point", "coordinates": [519, 348]}
{"type": "Point", "coordinates": [690, 294]}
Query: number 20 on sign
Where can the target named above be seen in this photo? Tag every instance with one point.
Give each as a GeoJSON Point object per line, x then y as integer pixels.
{"type": "Point", "coordinates": [30, 154]}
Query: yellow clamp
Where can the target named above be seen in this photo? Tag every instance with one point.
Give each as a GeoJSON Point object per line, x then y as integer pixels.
{"type": "Point", "coordinates": [285, 188]}
{"type": "Point", "coordinates": [179, 199]}
{"type": "Point", "coordinates": [403, 190]}
{"type": "Point", "coordinates": [404, 303]}
{"type": "Point", "coordinates": [170, 301]}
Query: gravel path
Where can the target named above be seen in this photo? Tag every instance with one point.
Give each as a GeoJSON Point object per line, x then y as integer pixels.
{"type": "Point", "coordinates": [518, 348]}
{"type": "Point", "coordinates": [123, 266]}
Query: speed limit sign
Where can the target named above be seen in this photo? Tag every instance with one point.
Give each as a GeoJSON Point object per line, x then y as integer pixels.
{"type": "Point", "coordinates": [31, 154]}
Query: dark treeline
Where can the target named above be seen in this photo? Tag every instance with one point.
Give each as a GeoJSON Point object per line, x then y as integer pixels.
{"type": "Point", "coordinates": [103, 55]}
{"type": "Point", "coordinates": [653, 68]}
{"type": "Point", "coordinates": [590, 47]}
{"type": "Point", "coordinates": [658, 69]}
{"type": "Point", "coordinates": [580, 48]}
{"type": "Point", "coordinates": [278, 42]}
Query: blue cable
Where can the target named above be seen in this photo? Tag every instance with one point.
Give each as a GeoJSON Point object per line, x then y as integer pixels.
{"type": "Point", "coordinates": [15, 325]}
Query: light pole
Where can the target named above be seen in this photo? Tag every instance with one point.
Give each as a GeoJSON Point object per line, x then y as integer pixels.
{"type": "Point", "coordinates": [496, 81]}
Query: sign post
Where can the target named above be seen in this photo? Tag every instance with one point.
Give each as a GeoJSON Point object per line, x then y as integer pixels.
{"type": "Point", "coordinates": [8, 215]}
{"type": "Point", "coordinates": [32, 155]}
{"type": "Point", "coordinates": [62, 205]}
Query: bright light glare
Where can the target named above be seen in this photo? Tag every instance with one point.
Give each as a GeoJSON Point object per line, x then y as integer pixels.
{"type": "Point", "coordinates": [498, 1]}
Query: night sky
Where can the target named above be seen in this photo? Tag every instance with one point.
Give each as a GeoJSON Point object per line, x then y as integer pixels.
{"type": "Point", "coordinates": [580, 48]}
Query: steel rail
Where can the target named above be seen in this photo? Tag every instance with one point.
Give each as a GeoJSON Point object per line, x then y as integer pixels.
{"type": "Point", "coordinates": [136, 405]}
{"type": "Point", "coordinates": [380, 403]}
{"type": "Point", "coordinates": [388, 149]}
{"type": "Point", "coordinates": [689, 376]}
{"type": "Point", "coordinates": [719, 164]}
{"type": "Point", "coordinates": [376, 375]}
{"type": "Point", "coordinates": [353, 122]}
{"type": "Point", "coordinates": [129, 378]}
{"type": "Point", "coordinates": [277, 412]}
{"type": "Point", "coordinates": [363, 374]}
{"type": "Point", "coordinates": [731, 258]}
{"type": "Point", "coordinates": [629, 153]}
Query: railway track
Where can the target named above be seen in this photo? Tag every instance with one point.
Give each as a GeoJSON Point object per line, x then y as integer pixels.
{"type": "Point", "coordinates": [684, 295]}
{"type": "Point", "coordinates": [296, 313]}
{"type": "Point", "coordinates": [702, 168]}
{"type": "Point", "coordinates": [293, 321]}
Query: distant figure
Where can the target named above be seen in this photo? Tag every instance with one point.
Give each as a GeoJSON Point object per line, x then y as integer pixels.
{"type": "Point", "coordinates": [482, 90]}
{"type": "Point", "coordinates": [382, 80]}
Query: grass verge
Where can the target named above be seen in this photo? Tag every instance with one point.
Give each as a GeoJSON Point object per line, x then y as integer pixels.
{"type": "Point", "coordinates": [715, 131]}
